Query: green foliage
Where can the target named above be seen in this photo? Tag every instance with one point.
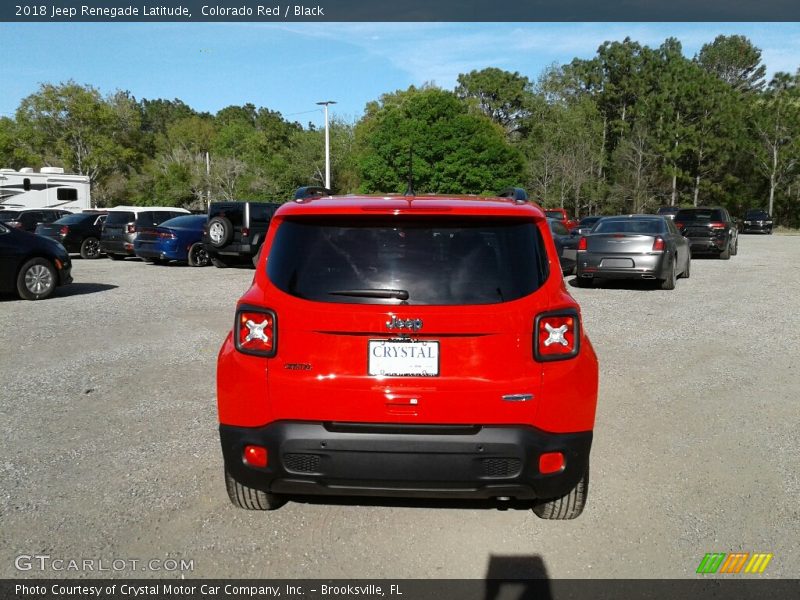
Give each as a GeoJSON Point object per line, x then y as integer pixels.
{"type": "Point", "coordinates": [734, 60]}
{"type": "Point", "coordinates": [452, 150]}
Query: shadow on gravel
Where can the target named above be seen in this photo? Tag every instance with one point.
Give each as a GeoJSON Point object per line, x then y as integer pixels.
{"type": "Point", "coordinates": [79, 289]}
{"type": "Point", "coordinates": [517, 577]}
{"type": "Point", "coordinates": [622, 284]}
{"type": "Point", "coordinates": [413, 502]}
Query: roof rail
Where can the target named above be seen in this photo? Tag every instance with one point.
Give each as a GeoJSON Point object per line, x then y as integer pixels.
{"type": "Point", "coordinates": [518, 194]}
{"type": "Point", "coordinates": [310, 191]}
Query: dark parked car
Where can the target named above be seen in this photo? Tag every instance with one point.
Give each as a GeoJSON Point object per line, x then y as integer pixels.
{"type": "Point", "coordinates": [28, 218]}
{"type": "Point", "coordinates": [31, 265]}
{"type": "Point", "coordinates": [758, 221]}
{"type": "Point", "coordinates": [710, 230]}
{"type": "Point", "coordinates": [668, 211]}
{"type": "Point", "coordinates": [179, 238]}
{"type": "Point", "coordinates": [236, 230]}
{"type": "Point", "coordinates": [124, 222]}
{"type": "Point", "coordinates": [585, 225]}
{"type": "Point", "coordinates": [633, 247]}
{"type": "Point", "coordinates": [566, 245]}
{"type": "Point", "coordinates": [77, 233]}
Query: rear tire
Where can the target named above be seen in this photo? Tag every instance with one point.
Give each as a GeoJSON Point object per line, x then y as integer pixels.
{"type": "Point", "coordinates": [249, 498]}
{"type": "Point", "coordinates": [669, 282]}
{"type": "Point", "coordinates": [198, 256]}
{"type": "Point", "coordinates": [735, 250]}
{"type": "Point", "coordinates": [218, 262]}
{"type": "Point", "coordinates": [90, 248]}
{"type": "Point", "coordinates": [220, 231]}
{"type": "Point", "coordinates": [687, 271]}
{"type": "Point", "coordinates": [584, 282]}
{"type": "Point", "coordinates": [566, 507]}
{"type": "Point", "coordinates": [726, 254]}
{"type": "Point", "coordinates": [36, 279]}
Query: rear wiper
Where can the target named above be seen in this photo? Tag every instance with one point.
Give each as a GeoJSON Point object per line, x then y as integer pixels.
{"type": "Point", "coordinates": [398, 294]}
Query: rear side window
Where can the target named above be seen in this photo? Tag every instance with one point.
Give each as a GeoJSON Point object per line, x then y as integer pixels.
{"type": "Point", "coordinates": [261, 213]}
{"type": "Point", "coordinates": [436, 262]}
{"type": "Point", "coordinates": [75, 219]}
{"type": "Point", "coordinates": [554, 214]}
{"type": "Point", "coordinates": [120, 217]}
{"type": "Point", "coordinates": [558, 228]}
{"type": "Point", "coordinates": [151, 218]}
{"type": "Point", "coordinates": [8, 215]}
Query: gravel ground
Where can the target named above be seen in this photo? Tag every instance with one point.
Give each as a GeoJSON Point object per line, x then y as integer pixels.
{"type": "Point", "coordinates": [110, 449]}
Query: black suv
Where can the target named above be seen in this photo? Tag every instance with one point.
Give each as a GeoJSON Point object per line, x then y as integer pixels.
{"type": "Point", "coordinates": [757, 220]}
{"type": "Point", "coordinates": [710, 230]}
{"type": "Point", "coordinates": [28, 218]}
{"type": "Point", "coordinates": [236, 230]}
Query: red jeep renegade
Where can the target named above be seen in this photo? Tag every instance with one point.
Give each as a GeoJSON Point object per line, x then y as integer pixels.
{"type": "Point", "coordinates": [418, 346]}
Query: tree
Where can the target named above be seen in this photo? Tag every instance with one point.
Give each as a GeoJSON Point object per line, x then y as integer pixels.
{"type": "Point", "coordinates": [453, 150]}
{"type": "Point", "coordinates": [502, 96]}
{"type": "Point", "coordinates": [735, 60]}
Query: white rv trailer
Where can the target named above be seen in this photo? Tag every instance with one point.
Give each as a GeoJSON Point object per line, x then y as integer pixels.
{"type": "Point", "coordinates": [49, 188]}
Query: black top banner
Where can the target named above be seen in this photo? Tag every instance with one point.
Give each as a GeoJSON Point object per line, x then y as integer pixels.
{"type": "Point", "coordinates": [273, 11]}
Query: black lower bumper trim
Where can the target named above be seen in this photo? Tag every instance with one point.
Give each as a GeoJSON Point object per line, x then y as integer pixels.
{"type": "Point", "coordinates": [417, 461]}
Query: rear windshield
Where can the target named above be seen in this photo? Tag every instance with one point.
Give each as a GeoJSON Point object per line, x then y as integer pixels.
{"type": "Point", "coordinates": [120, 217]}
{"type": "Point", "coordinates": [8, 215]}
{"type": "Point", "coordinates": [640, 226]}
{"type": "Point", "coordinates": [756, 214]}
{"type": "Point", "coordinates": [668, 210]}
{"type": "Point", "coordinates": [150, 218]}
{"type": "Point", "coordinates": [73, 219]}
{"type": "Point", "coordinates": [704, 215]}
{"type": "Point", "coordinates": [234, 212]}
{"type": "Point", "coordinates": [186, 222]}
{"type": "Point", "coordinates": [421, 262]}
{"type": "Point", "coordinates": [588, 221]}
{"type": "Point", "coordinates": [554, 214]}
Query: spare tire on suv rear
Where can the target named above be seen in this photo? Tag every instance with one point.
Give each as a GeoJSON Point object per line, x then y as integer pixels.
{"type": "Point", "coordinates": [220, 231]}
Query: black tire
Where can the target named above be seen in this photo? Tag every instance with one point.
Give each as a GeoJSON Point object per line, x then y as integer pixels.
{"type": "Point", "coordinates": [669, 282]}
{"type": "Point", "coordinates": [218, 262]}
{"type": "Point", "coordinates": [90, 248]}
{"type": "Point", "coordinates": [37, 279]}
{"type": "Point", "coordinates": [569, 506]}
{"type": "Point", "coordinates": [687, 271]}
{"type": "Point", "coordinates": [116, 256]}
{"type": "Point", "coordinates": [584, 282]}
{"type": "Point", "coordinates": [249, 498]}
{"type": "Point", "coordinates": [220, 231]}
{"type": "Point", "coordinates": [198, 256]}
{"type": "Point", "coordinates": [726, 254]}
{"type": "Point", "coordinates": [735, 250]}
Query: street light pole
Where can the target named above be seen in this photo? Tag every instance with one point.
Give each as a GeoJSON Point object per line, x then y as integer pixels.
{"type": "Point", "coordinates": [327, 144]}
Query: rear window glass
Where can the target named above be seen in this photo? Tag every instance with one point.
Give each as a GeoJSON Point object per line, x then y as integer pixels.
{"type": "Point", "coordinates": [700, 214]}
{"type": "Point", "coordinates": [233, 212]}
{"type": "Point", "coordinates": [261, 213]}
{"type": "Point", "coordinates": [186, 222]}
{"type": "Point", "coordinates": [442, 262]}
{"type": "Point", "coordinates": [756, 214]}
{"type": "Point", "coordinates": [119, 217]}
{"type": "Point", "coordinates": [8, 215]}
{"type": "Point", "coordinates": [153, 217]}
{"type": "Point", "coordinates": [73, 219]}
{"type": "Point", "coordinates": [554, 214]}
{"type": "Point", "coordinates": [640, 226]}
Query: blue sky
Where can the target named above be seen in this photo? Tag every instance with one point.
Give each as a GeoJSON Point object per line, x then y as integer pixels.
{"type": "Point", "coordinates": [289, 67]}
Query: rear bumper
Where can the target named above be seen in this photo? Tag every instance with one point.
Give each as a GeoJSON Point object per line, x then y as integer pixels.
{"type": "Point", "coordinates": [642, 266]}
{"type": "Point", "coordinates": [755, 228]}
{"type": "Point", "coordinates": [409, 461]}
{"type": "Point", "coordinates": [708, 245]}
{"type": "Point", "coordinates": [162, 253]}
{"type": "Point", "coordinates": [117, 247]}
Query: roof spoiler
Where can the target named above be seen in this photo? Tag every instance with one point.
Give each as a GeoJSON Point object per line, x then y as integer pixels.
{"type": "Point", "coordinates": [518, 194]}
{"type": "Point", "coordinates": [311, 191]}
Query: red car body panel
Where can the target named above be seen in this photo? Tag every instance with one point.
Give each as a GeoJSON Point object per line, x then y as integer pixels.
{"type": "Point", "coordinates": [320, 370]}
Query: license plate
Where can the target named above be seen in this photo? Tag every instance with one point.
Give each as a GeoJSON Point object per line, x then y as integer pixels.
{"type": "Point", "coordinates": [389, 358]}
{"type": "Point", "coordinates": [617, 263]}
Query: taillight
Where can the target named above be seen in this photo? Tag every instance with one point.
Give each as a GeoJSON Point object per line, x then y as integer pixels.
{"type": "Point", "coordinates": [582, 244]}
{"type": "Point", "coordinates": [658, 245]}
{"type": "Point", "coordinates": [551, 462]}
{"type": "Point", "coordinates": [556, 335]}
{"type": "Point", "coordinates": [63, 231]}
{"type": "Point", "coordinates": [245, 231]}
{"type": "Point", "coordinates": [255, 331]}
{"type": "Point", "coordinates": [167, 235]}
{"type": "Point", "coordinates": [131, 228]}
{"type": "Point", "coordinates": [717, 225]}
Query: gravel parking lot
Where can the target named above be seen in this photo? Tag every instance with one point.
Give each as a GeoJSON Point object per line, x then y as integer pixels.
{"type": "Point", "coordinates": [110, 450]}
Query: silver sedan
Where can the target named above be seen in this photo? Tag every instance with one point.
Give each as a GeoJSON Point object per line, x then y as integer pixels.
{"type": "Point", "coordinates": [633, 247]}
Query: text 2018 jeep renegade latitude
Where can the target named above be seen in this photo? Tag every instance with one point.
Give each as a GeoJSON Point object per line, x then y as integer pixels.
{"type": "Point", "coordinates": [408, 346]}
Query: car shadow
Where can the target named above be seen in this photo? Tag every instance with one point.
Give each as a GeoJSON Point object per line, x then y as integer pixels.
{"type": "Point", "coordinates": [518, 578]}
{"type": "Point", "coordinates": [79, 289]}
{"type": "Point", "coordinates": [648, 285]}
